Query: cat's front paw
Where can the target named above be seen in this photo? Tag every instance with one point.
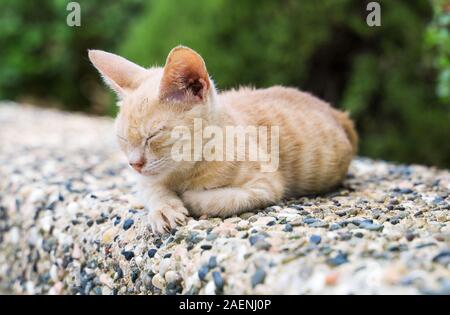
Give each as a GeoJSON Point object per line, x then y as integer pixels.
{"type": "Point", "coordinates": [167, 216]}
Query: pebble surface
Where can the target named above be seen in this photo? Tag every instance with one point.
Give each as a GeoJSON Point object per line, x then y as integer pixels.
{"type": "Point", "coordinates": [69, 224]}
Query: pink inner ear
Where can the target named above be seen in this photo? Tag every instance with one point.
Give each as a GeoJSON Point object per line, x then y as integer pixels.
{"type": "Point", "coordinates": [185, 77]}
{"type": "Point", "coordinates": [197, 87]}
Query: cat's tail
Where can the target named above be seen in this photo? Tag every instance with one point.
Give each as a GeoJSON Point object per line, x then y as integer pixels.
{"type": "Point", "coordinates": [349, 128]}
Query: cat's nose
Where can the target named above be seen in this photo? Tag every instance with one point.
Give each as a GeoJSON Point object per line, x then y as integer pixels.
{"type": "Point", "coordinates": [138, 165]}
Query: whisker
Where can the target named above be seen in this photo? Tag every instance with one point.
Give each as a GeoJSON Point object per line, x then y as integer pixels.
{"type": "Point", "coordinates": [122, 138]}
{"type": "Point", "coordinates": [156, 163]}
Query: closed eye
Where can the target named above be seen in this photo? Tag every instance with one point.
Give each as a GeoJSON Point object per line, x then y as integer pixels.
{"type": "Point", "coordinates": [152, 136]}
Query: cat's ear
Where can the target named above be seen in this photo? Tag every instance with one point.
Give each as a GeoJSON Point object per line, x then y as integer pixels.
{"type": "Point", "coordinates": [185, 77]}
{"type": "Point", "coordinates": [119, 73]}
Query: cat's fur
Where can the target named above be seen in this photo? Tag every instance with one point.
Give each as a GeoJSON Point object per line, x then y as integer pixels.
{"type": "Point", "coordinates": [317, 142]}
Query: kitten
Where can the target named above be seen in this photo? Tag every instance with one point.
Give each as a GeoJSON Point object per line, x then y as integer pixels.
{"type": "Point", "coordinates": [316, 142]}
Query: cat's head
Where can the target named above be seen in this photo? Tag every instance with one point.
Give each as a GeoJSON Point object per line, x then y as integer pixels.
{"type": "Point", "coordinates": [153, 101]}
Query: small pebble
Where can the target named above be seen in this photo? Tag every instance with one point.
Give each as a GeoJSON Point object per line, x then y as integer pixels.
{"type": "Point", "coordinates": [319, 224]}
{"type": "Point", "coordinates": [128, 255]}
{"type": "Point", "coordinates": [338, 260]}
{"type": "Point", "coordinates": [218, 280]}
{"type": "Point", "coordinates": [152, 252]}
{"type": "Point", "coordinates": [255, 238]}
{"type": "Point", "coordinates": [202, 272]}
{"type": "Point", "coordinates": [134, 275]}
{"type": "Point", "coordinates": [212, 263]}
{"type": "Point", "coordinates": [211, 237]}
{"type": "Point", "coordinates": [127, 224]}
{"type": "Point", "coordinates": [335, 226]}
{"type": "Point", "coordinates": [164, 266]}
{"type": "Point", "coordinates": [158, 281]}
{"type": "Point", "coordinates": [443, 257]}
{"type": "Point", "coordinates": [410, 236]}
{"type": "Point", "coordinates": [423, 245]}
{"type": "Point", "coordinates": [172, 277]}
{"type": "Point", "coordinates": [258, 277]}
{"type": "Point", "coordinates": [287, 227]}
{"type": "Point", "coordinates": [206, 246]}
{"type": "Point", "coordinates": [331, 279]}
{"type": "Point", "coordinates": [310, 220]}
{"type": "Point", "coordinates": [315, 239]}
{"type": "Point", "coordinates": [262, 245]}
{"type": "Point", "coordinates": [371, 226]}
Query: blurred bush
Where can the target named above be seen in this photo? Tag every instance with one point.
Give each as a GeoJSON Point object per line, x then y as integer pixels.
{"type": "Point", "coordinates": [438, 41]}
{"type": "Point", "coordinates": [394, 79]}
{"type": "Point", "coordinates": [383, 75]}
{"type": "Point", "coordinates": [45, 61]}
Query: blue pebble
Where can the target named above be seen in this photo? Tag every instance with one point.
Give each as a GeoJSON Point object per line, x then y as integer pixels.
{"type": "Point", "coordinates": [127, 224]}
{"type": "Point", "coordinates": [212, 263]}
{"type": "Point", "coordinates": [152, 252]}
{"type": "Point", "coordinates": [218, 280]}
{"type": "Point", "coordinates": [98, 290]}
{"type": "Point", "coordinates": [319, 224]}
{"type": "Point", "coordinates": [335, 226]}
{"type": "Point", "coordinates": [258, 277]}
{"type": "Point", "coordinates": [310, 220]}
{"type": "Point", "coordinates": [255, 238]}
{"type": "Point", "coordinates": [371, 226]}
{"type": "Point", "coordinates": [128, 255]}
{"type": "Point", "coordinates": [288, 228]}
{"type": "Point", "coordinates": [443, 257]}
{"type": "Point", "coordinates": [315, 239]}
{"type": "Point", "coordinates": [134, 275]}
{"type": "Point", "coordinates": [202, 272]}
{"type": "Point", "coordinates": [338, 260]}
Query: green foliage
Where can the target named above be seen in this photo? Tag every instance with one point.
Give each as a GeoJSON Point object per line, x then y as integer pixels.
{"type": "Point", "coordinates": [382, 75]}
{"type": "Point", "coordinates": [438, 41]}
{"type": "Point", "coordinates": [43, 58]}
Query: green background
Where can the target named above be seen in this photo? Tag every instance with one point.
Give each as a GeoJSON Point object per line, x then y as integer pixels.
{"type": "Point", "coordinates": [394, 79]}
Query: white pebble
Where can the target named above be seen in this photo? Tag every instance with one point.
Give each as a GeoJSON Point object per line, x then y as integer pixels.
{"type": "Point", "coordinates": [36, 195]}
{"type": "Point", "coordinates": [210, 288]}
{"type": "Point", "coordinates": [106, 280]}
{"type": "Point", "coordinates": [72, 208]}
{"type": "Point", "coordinates": [54, 273]}
{"type": "Point", "coordinates": [164, 265]}
{"type": "Point", "coordinates": [29, 287]}
{"type": "Point", "coordinates": [46, 223]}
{"type": "Point", "coordinates": [158, 281]}
{"type": "Point", "coordinates": [172, 276]}
{"type": "Point", "coordinates": [76, 252]}
{"type": "Point", "coordinates": [14, 235]}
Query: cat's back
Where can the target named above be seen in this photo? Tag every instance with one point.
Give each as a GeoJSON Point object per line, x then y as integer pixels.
{"type": "Point", "coordinates": [271, 101]}
{"type": "Point", "coordinates": [317, 141]}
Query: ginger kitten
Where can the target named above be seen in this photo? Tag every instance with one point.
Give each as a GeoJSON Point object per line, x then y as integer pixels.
{"type": "Point", "coordinates": [315, 142]}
